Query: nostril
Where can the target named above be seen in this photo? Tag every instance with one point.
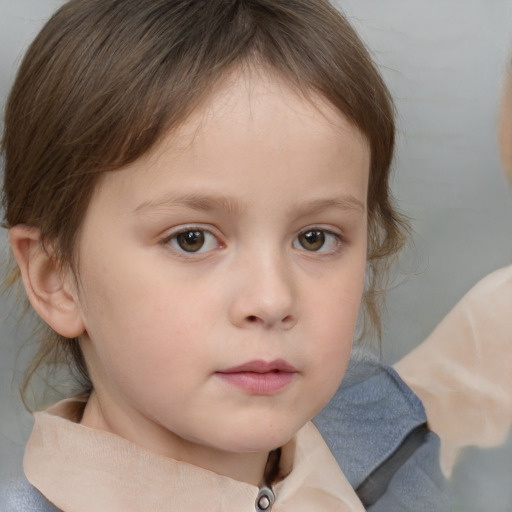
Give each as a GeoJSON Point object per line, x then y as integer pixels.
{"type": "Point", "coordinates": [286, 321]}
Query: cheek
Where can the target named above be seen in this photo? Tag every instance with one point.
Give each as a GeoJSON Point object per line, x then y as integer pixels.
{"type": "Point", "coordinates": [334, 312]}
{"type": "Point", "coordinates": [146, 323]}
{"type": "Point", "coordinates": [329, 357]}
{"type": "Point", "coordinates": [334, 342]}
{"type": "Point", "coordinates": [334, 323]}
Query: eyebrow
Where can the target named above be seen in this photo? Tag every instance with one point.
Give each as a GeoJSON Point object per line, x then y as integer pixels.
{"type": "Point", "coordinates": [346, 202]}
{"type": "Point", "coordinates": [206, 203]}
{"type": "Point", "coordinates": [202, 203]}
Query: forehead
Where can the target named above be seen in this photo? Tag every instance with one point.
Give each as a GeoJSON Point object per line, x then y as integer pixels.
{"type": "Point", "coordinates": [248, 97]}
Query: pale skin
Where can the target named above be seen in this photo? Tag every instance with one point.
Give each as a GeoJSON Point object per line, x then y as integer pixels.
{"type": "Point", "coordinates": [241, 237]}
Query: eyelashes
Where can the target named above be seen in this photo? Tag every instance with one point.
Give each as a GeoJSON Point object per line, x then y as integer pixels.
{"type": "Point", "coordinates": [191, 240]}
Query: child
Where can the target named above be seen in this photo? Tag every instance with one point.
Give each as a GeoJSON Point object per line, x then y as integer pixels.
{"type": "Point", "coordinates": [194, 191]}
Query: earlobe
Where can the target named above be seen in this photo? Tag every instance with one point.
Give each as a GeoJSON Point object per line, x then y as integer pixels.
{"type": "Point", "coordinates": [50, 290]}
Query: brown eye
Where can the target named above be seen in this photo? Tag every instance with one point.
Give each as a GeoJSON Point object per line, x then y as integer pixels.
{"type": "Point", "coordinates": [312, 240]}
{"type": "Point", "coordinates": [190, 241]}
{"type": "Point", "coordinates": [318, 240]}
{"type": "Point", "coordinates": [193, 240]}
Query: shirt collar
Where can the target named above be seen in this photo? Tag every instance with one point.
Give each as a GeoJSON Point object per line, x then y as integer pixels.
{"type": "Point", "coordinates": [81, 469]}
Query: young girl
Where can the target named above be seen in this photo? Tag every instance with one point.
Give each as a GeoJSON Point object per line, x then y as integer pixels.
{"type": "Point", "coordinates": [194, 192]}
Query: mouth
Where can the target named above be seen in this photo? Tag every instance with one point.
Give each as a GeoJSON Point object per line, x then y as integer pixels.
{"type": "Point", "coordinates": [259, 377]}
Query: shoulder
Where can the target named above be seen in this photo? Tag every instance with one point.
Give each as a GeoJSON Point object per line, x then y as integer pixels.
{"type": "Point", "coordinates": [17, 495]}
{"type": "Point", "coordinates": [376, 428]}
{"type": "Point", "coordinates": [369, 416]}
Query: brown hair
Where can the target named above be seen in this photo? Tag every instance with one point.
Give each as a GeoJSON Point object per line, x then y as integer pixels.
{"type": "Point", "coordinates": [106, 79]}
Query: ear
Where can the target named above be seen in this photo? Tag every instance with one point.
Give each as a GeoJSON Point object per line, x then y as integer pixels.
{"type": "Point", "coordinates": [50, 290]}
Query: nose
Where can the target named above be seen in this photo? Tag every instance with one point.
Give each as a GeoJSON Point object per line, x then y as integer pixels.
{"type": "Point", "coordinates": [265, 295]}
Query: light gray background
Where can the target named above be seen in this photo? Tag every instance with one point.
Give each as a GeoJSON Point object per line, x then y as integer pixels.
{"type": "Point", "coordinates": [443, 61]}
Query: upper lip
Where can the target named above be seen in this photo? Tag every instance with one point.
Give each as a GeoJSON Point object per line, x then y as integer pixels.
{"type": "Point", "coordinates": [260, 366]}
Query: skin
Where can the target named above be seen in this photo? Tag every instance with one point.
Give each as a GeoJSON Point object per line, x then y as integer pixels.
{"type": "Point", "coordinates": [276, 184]}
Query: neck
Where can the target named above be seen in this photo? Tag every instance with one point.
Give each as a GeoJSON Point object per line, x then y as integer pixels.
{"type": "Point", "coordinates": [245, 467]}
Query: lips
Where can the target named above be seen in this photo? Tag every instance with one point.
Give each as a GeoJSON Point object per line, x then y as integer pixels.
{"type": "Point", "coordinates": [259, 377]}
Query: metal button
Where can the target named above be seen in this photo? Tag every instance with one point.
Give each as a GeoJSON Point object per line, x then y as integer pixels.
{"type": "Point", "coordinates": [264, 503]}
{"type": "Point", "coordinates": [264, 500]}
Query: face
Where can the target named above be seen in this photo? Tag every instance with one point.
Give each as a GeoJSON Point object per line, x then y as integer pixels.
{"type": "Point", "coordinates": [221, 276]}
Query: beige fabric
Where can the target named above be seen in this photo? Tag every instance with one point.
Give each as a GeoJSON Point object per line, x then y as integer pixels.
{"type": "Point", "coordinates": [80, 469]}
{"type": "Point", "coordinates": [463, 371]}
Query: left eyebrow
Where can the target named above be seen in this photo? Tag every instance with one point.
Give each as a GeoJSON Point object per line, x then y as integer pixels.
{"type": "Point", "coordinates": [347, 202]}
{"type": "Point", "coordinates": [202, 203]}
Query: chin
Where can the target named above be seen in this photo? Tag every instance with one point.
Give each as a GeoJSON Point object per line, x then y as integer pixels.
{"type": "Point", "coordinates": [262, 438]}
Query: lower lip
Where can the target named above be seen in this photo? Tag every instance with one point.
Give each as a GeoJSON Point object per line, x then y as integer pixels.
{"type": "Point", "coordinates": [267, 383]}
